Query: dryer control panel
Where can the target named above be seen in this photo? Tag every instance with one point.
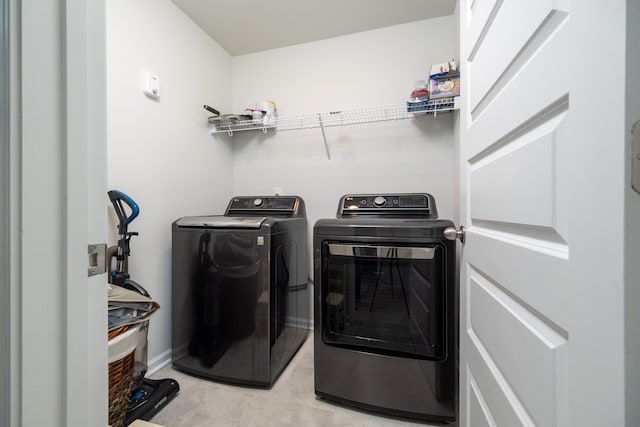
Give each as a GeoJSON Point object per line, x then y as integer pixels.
{"type": "Point", "coordinates": [406, 205]}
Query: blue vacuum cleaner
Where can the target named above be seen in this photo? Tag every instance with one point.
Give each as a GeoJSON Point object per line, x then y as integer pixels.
{"type": "Point", "coordinates": [147, 396]}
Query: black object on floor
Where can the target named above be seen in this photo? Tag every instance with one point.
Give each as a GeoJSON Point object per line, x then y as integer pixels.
{"type": "Point", "coordinates": [149, 397]}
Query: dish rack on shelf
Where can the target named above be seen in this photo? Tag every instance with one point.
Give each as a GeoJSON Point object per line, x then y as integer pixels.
{"type": "Point", "coordinates": [336, 118]}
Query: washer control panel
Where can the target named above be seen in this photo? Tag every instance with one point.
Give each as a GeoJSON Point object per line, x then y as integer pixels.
{"type": "Point", "coordinates": [265, 205]}
{"type": "Point", "coordinates": [408, 205]}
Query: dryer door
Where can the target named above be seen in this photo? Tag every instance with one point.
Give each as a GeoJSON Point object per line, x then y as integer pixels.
{"type": "Point", "coordinates": [385, 298]}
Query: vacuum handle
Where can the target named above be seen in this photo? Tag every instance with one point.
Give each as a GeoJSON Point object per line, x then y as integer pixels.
{"type": "Point", "coordinates": [118, 198]}
{"type": "Point", "coordinates": [136, 287]}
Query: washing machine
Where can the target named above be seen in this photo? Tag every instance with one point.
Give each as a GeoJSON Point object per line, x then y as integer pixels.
{"type": "Point", "coordinates": [386, 307]}
{"type": "Point", "coordinates": [240, 302]}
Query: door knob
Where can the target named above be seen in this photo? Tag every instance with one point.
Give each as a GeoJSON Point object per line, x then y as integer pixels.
{"type": "Point", "coordinates": [450, 233]}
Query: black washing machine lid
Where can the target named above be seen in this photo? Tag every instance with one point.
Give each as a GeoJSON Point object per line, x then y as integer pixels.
{"type": "Point", "coordinates": [219, 221]}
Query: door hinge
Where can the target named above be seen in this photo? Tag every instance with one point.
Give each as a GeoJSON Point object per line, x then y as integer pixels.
{"type": "Point", "coordinates": [97, 258]}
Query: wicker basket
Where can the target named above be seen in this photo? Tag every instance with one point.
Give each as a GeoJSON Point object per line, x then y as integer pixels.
{"type": "Point", "coordinates": [120, 382]}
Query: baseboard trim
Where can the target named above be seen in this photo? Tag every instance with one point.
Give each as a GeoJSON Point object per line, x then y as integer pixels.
{"type": "Point", "coordinates": [158, 362]}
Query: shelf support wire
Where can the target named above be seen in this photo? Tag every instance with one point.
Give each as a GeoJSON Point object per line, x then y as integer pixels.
{"type": "Point", "coordinates": [324, 136]}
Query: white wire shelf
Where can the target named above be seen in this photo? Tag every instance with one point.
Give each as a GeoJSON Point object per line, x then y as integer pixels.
{"type": "Point", "coordinates": [337, 118]}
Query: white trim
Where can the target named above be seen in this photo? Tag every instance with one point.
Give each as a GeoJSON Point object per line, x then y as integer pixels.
{"type": "Point", "coordinates": [5, 248]}
{"type": "Point", "coordinates": [15, 324]}
{"type": "Point", "coordinates": [62, 337]}
{"type": "Point", "coordinates": [41, 235]}
{"type": "Point", "coordinates": [158, 362]}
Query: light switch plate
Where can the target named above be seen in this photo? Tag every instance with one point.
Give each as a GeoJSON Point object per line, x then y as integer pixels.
{"type": "Point", "coordinates": [151, 85]}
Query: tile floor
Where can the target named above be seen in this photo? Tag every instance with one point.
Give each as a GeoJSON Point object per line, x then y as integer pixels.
{"type": "Point", "coordinates": [290, 402]}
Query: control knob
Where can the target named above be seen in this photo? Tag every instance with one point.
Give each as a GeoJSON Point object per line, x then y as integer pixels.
{"type": "Point", "coordinates": [379, 201]}
{"type": "Point", "coordinates": [258, 202]}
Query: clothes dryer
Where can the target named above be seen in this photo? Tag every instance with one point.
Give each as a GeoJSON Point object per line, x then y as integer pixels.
{"type": "Point", "coordinates": [240, 290]}
{"type": "Point", "coordinates": [386, 307]}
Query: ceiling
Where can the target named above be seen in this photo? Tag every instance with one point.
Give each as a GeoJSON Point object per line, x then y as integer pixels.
{"type": "Point", "coordinates": [248, 26]}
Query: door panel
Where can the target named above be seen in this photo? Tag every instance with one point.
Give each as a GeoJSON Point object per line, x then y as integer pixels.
{"type": "Point", "coordinates": [499, 57]}
{"type": "Point", "coordinates": [524, 270]}
{"type": "Point", "coordinates": [524, 87]}
{"type": "Point", "coordinates": [535, 366]}
{"type": "Point", "coordinates": [478, 407]}
{"type": "Point", "coordinates": [541, 287]}
{"type": "Point", "coordinates": [485, 379]}
{"type": "Point", "coordinates": [525, 181]}
{"type": "Point", "coordinates": [517, 200]}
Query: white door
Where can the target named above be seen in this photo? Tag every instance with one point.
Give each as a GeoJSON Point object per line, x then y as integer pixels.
{"type": "Point", "coordinates": [541, 134]}
{"type": "Point", "coordinates": [58, 206]}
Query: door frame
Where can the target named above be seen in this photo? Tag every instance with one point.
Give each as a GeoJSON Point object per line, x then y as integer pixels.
{"type": "Point", "coordinates": [5, 250]}
{"type": "Point", "coordinates": [57, 192]}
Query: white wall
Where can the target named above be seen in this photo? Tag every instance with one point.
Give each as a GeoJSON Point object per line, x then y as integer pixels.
{"type": "Point", "coordinates": [371, 68]}
{"type": "Point", "coordinates": [160, 152]}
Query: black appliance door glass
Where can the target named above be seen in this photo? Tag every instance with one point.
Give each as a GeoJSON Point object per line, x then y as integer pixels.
{"type": "Point", "coordinates": [385, 298]}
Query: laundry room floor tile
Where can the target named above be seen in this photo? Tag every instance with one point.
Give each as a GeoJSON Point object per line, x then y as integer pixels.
{"type": "Point", "coordinates": [290, 402]}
